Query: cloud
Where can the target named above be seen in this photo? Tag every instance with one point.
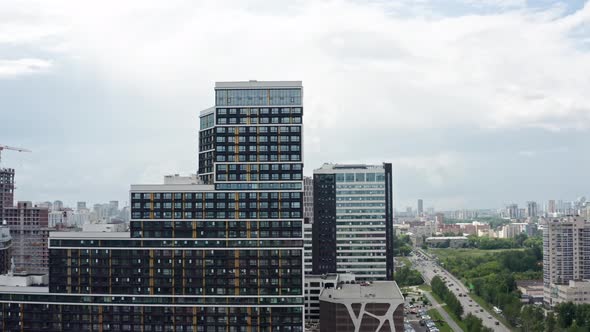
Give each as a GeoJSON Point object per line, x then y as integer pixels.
{"type": "Point", "coordinates": [13, 68]}
{"type": "Point", "coordinates": [370, 69]}
{"type": "Point", "coordinates": [473, 69]}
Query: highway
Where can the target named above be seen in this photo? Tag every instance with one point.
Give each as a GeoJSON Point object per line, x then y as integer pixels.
{"type": "Point", "coordinates": [427, 266]}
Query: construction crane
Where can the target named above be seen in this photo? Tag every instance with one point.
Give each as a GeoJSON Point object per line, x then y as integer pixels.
{"type": "Point", "coordinates": [5, 147]}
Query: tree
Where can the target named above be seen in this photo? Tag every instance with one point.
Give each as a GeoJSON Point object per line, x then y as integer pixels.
{"type": "Point", "coordinates": [532, 319]}
{"type": "Point", "coordinates": [550, 322]}
{"type": "Point", "coordinates": [566, 314]}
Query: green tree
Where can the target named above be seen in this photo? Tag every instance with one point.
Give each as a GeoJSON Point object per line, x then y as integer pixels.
{"type": "Point", "coordinates": [550, 322]}
{"type": "Point", "coordinates": [566, 313]}
{"type": "Point", "coordinates": [532, 319]}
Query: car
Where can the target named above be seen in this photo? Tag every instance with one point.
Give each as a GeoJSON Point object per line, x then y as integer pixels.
{"type": "Point", "coordinates": [489, 317]}
{"type": "Point", "coordinates": [470, 300]}
{"type": "Point", "coordinates": [480, 310]}
{"type": "Point", "coordinates": [497, 323]}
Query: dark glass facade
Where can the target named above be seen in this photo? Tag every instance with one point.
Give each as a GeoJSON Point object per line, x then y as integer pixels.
{"type": "Point", "coordinates": [222, 255]}
{"type": "Point", "coordinates": [353, 221]}
{"type": "Point", "coordinates": [324, 226]}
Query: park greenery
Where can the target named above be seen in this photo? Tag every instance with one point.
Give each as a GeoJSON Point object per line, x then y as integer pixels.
{"type": "Point", "coordinates": [405, 276]}
{"type": "Point", "coordinates": [442, 291]}
{"type": "Point", "coordinates": [402, 245]}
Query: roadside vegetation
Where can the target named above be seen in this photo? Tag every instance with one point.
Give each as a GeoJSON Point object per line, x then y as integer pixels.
{"type": "Point", "coordinates": [405, 276]}
{"type": "Point", "coordinates": [442, 291]}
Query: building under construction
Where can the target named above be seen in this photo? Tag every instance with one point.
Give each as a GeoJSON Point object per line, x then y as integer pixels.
{"type": "Point", "coordinates": [6, 189]}
{"type": "Point", "coordinates": [28, 226]}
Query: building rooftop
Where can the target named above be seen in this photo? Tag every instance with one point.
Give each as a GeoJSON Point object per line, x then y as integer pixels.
{"type": "Point", "coordinates": [331, 168]}
{"type": "Point", "coordinates": [258, 84]}
{"type": "Point", "coordinates": [376, 290]}
{"type": "Point", "coordinates": [329, 276]}
{"type": "Point", "coordinates": [171, 187]}
{"type": "Point", "coordinates": [447, 238]}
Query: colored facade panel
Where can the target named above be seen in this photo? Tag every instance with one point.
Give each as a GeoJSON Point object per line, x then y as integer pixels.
{"type": "Point", "coordinates": [224, 254]}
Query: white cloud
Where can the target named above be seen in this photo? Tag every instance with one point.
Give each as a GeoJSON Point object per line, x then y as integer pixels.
{"type": "Point", "coordinates": [364, 64]}
{"type": "Point", "coordinates": [355, 58]}
{"type": "Point", "coordinates": [13, 68]}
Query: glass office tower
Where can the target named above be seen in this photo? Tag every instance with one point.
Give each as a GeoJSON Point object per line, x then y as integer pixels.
{"type": "Point", "coordinates": [353, 221]}
{"type": "Point", "coordinates": [219, 252]}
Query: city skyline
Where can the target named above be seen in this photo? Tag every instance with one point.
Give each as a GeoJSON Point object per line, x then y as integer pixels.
{"type": "Point", "coordinates": [463, 128]}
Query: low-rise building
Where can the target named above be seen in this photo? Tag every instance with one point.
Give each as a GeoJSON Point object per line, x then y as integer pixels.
{"type": "Point", "coordinates": [364, 307]}
{"type": "Point", "coordinates": [531, 291]}
{"type": "Point", "coordinates": [447, 241]}
{"type": "Point", "coordinates": [314, 284]}
{"type": "Point", "coordinates": [576, 291]}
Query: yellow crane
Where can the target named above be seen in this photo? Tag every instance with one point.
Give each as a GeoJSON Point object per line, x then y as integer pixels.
{"type": "Point", "coordinates": [6, 147]}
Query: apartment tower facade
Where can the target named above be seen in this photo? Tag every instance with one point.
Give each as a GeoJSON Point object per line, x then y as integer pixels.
{"type": "Point", "coordinates": [221, 252]}
{"type": "Point", "coordinates": [566, 255]}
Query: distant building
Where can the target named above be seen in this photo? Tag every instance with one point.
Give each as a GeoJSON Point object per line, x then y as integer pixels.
{"type": "Point", "coordinates": [420, 208]}
{"type": "Point", "coordinates": [28, 228]}
{"type": "Point", "coordinates": [58, 205]}
{"type": "Point", "coordinates": [566, 244]}
{"type": "Point", "coordinates": [439, 219]}
{"type": "Point", "coordinates": [511, 230]}
{"type": "Point", "coordinates": [532, 211]}
{"type": "Point", "coordinates": [314, 285]}
{"type": "Point", "coordinates": [81, 206]}
{"type": "Point", "coordinates": [421, 230]}
{"type": "Point", "coordinates": [447, 241]}
{"type": "Point", "coordinates": [353, 221]}
{"type": "Point", "coordinates": [365, 307]}
{"type": "Point", "coordinates": [551, 207]}
{"type": "Point", "coordinates": [512, 211]}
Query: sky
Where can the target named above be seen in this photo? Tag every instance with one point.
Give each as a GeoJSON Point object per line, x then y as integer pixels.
{"type": "Point", "coordinates": [477, 103]}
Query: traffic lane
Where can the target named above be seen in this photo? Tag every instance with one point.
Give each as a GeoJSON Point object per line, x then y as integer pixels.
{"type": "Point", "coordinates": [427, 270]}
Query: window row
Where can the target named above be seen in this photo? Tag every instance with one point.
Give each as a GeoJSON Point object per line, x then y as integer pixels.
{"type": "Point", "coordinates": [258, 130]}
{"type": "Point", "coordinates": [216, 195]}
{"type": "Point", "coordinates": [258, 158]}
{"type": "Point", "coordinates": [259, 111]}
{"type": "Point", "coordinates": [250, 121]}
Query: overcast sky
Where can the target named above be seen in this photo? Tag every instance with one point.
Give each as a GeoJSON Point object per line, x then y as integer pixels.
{"type": "Point", "coordinates": [477, 103]}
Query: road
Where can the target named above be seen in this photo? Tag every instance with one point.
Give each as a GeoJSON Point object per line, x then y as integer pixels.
{"type": "Point", "coordinates": [426, 266]}
{"type": "Point", "coordinates": [443, 313]}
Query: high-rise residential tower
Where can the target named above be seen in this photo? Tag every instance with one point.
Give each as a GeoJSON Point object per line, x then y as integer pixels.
{"type": "Point", "coordinates": [551, 207]}
{"type": "Point", "coordinates": [566, 257]}
{"type": "Point", "coordinates": [353, 221]}
{"type": "Point", "coordinates": [225, 254]}
{"type": "Point", "coordinates": [6, 190]}
{"type": "Point", "coordinates": [420, 208]}
{"type": "Point", "coordinates": [532, 211]}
